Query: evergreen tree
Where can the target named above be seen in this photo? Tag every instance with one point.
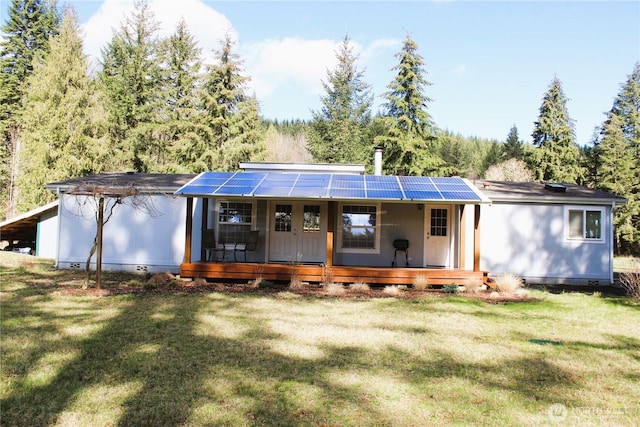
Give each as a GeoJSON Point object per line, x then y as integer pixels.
{"type": "Point", "coordinates": [26, 32]}
{"type": "Point", "coordinates": [617, 174]}
{"type": "Point", "coordinates": [590, 156]}
{"type": "Point", "coordinates": [131, 79]}
{"type": "Point", "coordinates": [619, 157]}
{"type": "Point", "coordinates": [409, 133]}
{"type": "Point", "coordinates": [231, 119]}
{"type": "Point", "coordinates": [338, 132]}
{"type": "Point", "coordinates": [557, 156]}
{"type": "Point", "coordinates": [179, 110]}
{"type": "Point", "coordinates": [494, 156]}
{"type": "Point", "coordinates": [513, 147]}
{"type": "Point", "coordinates": [63, 119]}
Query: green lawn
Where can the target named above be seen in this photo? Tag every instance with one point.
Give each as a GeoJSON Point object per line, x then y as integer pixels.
{"type": "Point", "coordinates": [224, 359]}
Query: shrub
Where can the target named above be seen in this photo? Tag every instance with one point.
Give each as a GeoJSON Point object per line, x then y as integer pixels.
{"type": "Point", "coordinates": [266, 284]}
{"type": "Point", "coordinates": [472, 285]}
{"type": "Point", "coordinates": [421, 282]}
{"type": "Point", "coordinates": [508, 283]}
{"type": "Point", "coordinates": [159, 280]}
{"type": "Point", "coordinates": [255, 282]}
{"type": "Point", "coordinates": [451, 288]}
{"type": "Point", "coordinates": [359, 286]}
{"type": "Point", "coordinates": [630, 280]}
{"type": "Point", "coordinates": [295, 282]}
{"type": "Point", "coordinates": [199, 282]}
{"type": "Point", "coordinates": [327, 275]}
{"type": "Point", "coordinates": [391, 290]}
{"type": "Point", "coordinates": [334, 288]}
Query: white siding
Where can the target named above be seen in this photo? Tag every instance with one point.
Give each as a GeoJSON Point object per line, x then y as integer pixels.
{"type": "Point", "coordinates": [529, 240]}
{"type": "Point", "coordinates": [133, 240]}
{"type": "Point", "coordinates": [47, 235]}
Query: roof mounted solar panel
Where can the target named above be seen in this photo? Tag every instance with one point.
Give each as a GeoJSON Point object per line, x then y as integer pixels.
{"type": "Point", "coordinates": [327, 185]}
{"type": "Point", "coordinates": [460, 195]}
{"type": "Point", "coordinates": [347, 193]}
{"type": "Point", "coordinates": [384, 194]}
{"type": "Point", "coordinates": [423, 195]}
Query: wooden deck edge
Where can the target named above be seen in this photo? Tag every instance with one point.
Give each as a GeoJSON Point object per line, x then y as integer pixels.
{"type": "Point", "coordinates": [316, 273]}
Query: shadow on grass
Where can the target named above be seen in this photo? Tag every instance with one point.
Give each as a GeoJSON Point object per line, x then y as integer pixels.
{"type": "Point", "coordinates": [175, 371]}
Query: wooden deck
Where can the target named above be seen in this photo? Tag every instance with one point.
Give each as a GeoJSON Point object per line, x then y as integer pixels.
{"type": "Point", "coordinates": [319, 273]}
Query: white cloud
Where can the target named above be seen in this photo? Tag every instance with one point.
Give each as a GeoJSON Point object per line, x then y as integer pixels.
{"type": "Point", "coordinates": [459, 70]}
{"type": "Point", "coordinates": [272, 63]}
{"type": "Point", "coordinates": [380, 47]}
{"type": "Point", "coordinates": [206, 25]}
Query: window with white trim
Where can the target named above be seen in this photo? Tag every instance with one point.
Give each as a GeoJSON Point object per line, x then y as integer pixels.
{"type": "Point", "coordinates": [360, 229]}
{"type": "Point", "coordinates": [235, 220]}
{"type": "Point", "coordinates": [584, 223]}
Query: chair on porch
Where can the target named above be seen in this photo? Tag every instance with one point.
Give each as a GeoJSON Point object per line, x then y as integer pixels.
{"type": "Point", "coordinates": [211, 246]}
{"type": "Point", "coordinates": [250, 245]}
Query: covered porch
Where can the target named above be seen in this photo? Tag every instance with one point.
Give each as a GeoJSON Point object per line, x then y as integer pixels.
{"type": "Point", "coordinates": [345, 227]}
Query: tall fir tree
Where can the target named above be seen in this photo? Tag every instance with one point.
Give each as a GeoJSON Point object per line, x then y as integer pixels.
{"type": "Point", "coordinates": [617, 174]}
{"type": "Point", "coordinates": [64, 120]}
{"type": "Point", "coordinates": [131, 79]}
{"type": "Point", "coordinates": [409, 132]}
{"type": "Point", "coordinates": [513, 146]}
{"type": "Point", "coordinates": [557, 157]}
{"type": "Point", "coordinates": [338, 132]}
{"type": "Point", "coordinates": [619, 157]}
{"type": "Point", "coordinates": [26, 32]}
{"type": "Point", "coordinates": [590, 156]}
{"type": "Point", "coordinates": [230, 117]}
{"type": "Point", "coordinates": [178, 116]}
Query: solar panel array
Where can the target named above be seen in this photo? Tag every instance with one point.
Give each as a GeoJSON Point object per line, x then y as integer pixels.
{"type": "Point", "coordinates": [329, 186]}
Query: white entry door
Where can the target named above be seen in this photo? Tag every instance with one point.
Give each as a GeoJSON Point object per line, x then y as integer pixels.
{"type": "Point", "coordinates": [298, 232]}
{"type": "Point", "coordinates": [438, 236]}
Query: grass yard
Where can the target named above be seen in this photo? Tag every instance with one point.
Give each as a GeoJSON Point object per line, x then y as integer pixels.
{"type": "Point", "coordinates": [238, 359]}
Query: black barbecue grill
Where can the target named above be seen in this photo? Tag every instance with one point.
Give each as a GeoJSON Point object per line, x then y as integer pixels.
{"type": "Point", "coordinates": [400, 245]}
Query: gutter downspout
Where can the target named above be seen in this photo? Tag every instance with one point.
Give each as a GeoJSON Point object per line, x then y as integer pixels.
{"type": "Point", "coordinates": [613, 206]}
{"type": "Point", "coordinates": [59, 194]}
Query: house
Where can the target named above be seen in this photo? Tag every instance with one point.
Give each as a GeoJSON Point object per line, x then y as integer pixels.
{"type": "Point", "coordinates": [320, 220]}
{"type": "Point", "coordinates": [548, 233]}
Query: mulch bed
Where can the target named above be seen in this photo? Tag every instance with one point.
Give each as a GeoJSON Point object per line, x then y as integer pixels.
{"type": "Point", "coordinates": [309, 291]}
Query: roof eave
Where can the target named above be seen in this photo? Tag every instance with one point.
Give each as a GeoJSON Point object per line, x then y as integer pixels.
{"type": "Point", "coordinates": [560, 200]}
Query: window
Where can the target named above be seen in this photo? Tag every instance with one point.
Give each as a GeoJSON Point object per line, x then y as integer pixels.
{"type": "Point", "coordinates": [283, 218]}
{"type": "Point", "coordinates": [235, 220]}
{"type": "Point", "coordinates": [360, 229]}
{"type": "Point", "coordinates": [311, 222]}
{"type": "Point", "coordinates": [439, 222]}
{"type": "Point", "coordinates": [584, 223]}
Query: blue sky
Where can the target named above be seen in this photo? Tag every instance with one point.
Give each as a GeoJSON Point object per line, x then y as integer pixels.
{"type": "Point", "coordinates": [490, 62]}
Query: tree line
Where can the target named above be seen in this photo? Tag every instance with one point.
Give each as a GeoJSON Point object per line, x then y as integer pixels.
{"type": "Point", "coordinates": [154, 106]}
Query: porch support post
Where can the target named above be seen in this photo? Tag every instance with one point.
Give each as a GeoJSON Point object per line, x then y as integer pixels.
{"type": "Point", "coordinates": [99, 242]}
{"type": "Point", "coordinates": [463, 238]}
{"type": "Point", "coordinates": [331, 221]}
{"type": "Point", "coordinates": [476, 238]}
{"type": "Point", "coordinates": [205, 221]}
{"type": "Point", "coordinates": [188, 231]}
